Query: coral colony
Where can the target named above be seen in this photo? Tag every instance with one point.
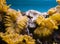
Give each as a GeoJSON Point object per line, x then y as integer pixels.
{"type": "Point", "coordinates": [31, 27]}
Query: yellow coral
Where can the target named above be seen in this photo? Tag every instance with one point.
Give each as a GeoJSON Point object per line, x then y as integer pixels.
{"type": "Point", "coordinates": [13, 14]}
{"type": "Point", "coordinates": [51, 11]}
{"type": "Point", "coordinates": [14, 20]}
{"type": "Point", "coordinates": [10, 30]}
{"type": "Point", "coordinates": [58, 1]}
{"type": "Point", "coordinates": [2, 1]}
{"type": "Point", "coordinates": [47, 25]}
{"type": "Point", "coordinates": [15, 23]}
{"type": "Point", "coordinates": [3, 6]}
{"type": "Point", "coordinates": [17, 39]}
{"type": "Point", "coordinates": [46, 28]}
{"type": "Point", "coordinates": [22, 22]}
{"type": "Point", "coordinates": [42, 31]}
{"type": "Point", "coordinates": [56, 17]}
{"type": "Point", "coordinates": [39, 19]}
{"type": "Point", "coordinates": [58, 8]}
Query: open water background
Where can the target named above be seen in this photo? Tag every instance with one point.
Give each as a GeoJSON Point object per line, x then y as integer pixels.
{"type": "Point", "coordinates": [39, 5]}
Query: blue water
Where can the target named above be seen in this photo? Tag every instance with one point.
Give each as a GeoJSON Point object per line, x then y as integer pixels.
{"type": "Point", "coordinates": [40, 5]}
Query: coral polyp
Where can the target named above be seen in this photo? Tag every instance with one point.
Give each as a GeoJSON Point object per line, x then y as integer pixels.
{"type": "Point", "coordinates": [17, 39]}
{"type": "Point", "coordinates": [30, 27]}
{"type": "Point", "coordinates": [47, 26]}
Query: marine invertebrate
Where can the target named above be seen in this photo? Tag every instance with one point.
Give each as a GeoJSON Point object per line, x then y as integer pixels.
{"type": "Point", "coordinates": [54, 10]}
{"type": "Point", "coordinates": [58, 8]}
{"type": "Point", "coordinates": [39, 19]}
{"type": "Point", "coordinates": [35, 22]}
{"type": "Point", "coordinates": [51, 11]}
{"type": "Point", "coordinates": [58, 1]}
{"type": "Point", "coordinates": [56, 17]}
{"type": "Point", "coordinates": [3, 1]}
{"type": "Point", "coordinates": [17, 39]}
{"type": "Point", "coordinates": [14, 20]}
{"type": "Point", "coordinates": [42, 31]}
{"type": "Point", "coordinates": [3, 6]}
{"type": "Point", "coordinates": [47, 26]}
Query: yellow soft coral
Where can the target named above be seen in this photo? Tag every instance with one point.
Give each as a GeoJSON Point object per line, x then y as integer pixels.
{"type": "Point", "coordinates": [58, 1]}
{"type": "Point", "coordinates": [14, 20]}
{"type": "Point", "coordinates": [42, 31]}
{"type": "Point", "coordinates": [39, 19]}
{"type": "Point", "coordinates": [54, 10]}
{"type": "Point", "coordinates": [22, 22]}
{"type": "Point", "coordinates": [2, 1]}
{"type": "Point", "coordinates": [3, 6]}
{"type": "Point", "coordinates": [48, 25]}
{"type": "Point", "coordinates": [58, 8]}
{"type": "Point", "coordinates": [17, 39]}
{"type": "Point", "coordinates": [56, 17]}
{"type": "Point", "coordinates": [51, 11]}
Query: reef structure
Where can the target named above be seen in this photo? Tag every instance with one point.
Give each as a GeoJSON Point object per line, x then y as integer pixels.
{"type": "Point", "coordinates": [22, 29]}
